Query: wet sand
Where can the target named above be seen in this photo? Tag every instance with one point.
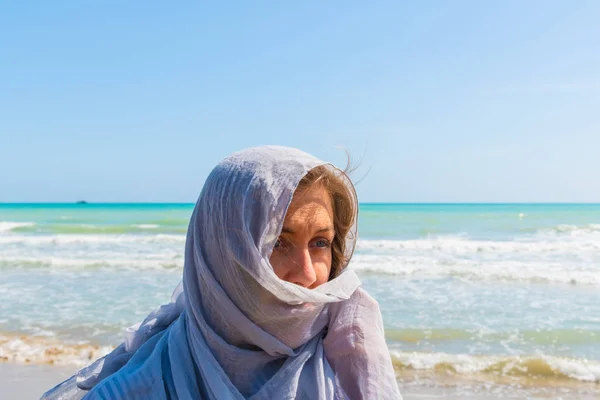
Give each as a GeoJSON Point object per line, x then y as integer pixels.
{"type": "Point", "coordinates": [23, 382]}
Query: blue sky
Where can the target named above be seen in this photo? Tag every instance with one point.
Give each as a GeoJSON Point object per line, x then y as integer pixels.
{"type": "Point", "coordinates": [461, 101]}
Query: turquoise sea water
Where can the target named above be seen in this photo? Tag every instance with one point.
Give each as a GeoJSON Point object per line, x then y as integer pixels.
{"type": "Point", "coordinates": [485, 291]}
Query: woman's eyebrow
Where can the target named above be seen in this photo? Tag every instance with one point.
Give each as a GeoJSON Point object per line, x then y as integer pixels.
{"type": "Point", "coordinates": [325, 229]}
{"type": "Point", "coordinates": [286, 229]}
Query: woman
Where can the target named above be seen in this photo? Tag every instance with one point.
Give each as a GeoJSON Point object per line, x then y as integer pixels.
{"type": "Point", "coordinates": [267, 309]}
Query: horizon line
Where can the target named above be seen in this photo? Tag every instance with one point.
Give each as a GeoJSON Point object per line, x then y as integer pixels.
{"type": "Point", "coordinates": [360, 203]}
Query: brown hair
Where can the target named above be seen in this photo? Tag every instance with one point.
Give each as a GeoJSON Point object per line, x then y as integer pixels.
{"type": "Point", "coordinates": [343, 200]}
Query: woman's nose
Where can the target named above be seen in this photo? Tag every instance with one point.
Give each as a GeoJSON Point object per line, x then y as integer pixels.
{"type": "Point", "coordinates": [302, 270]}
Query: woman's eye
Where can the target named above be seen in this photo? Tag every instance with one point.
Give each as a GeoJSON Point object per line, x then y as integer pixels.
{"type": "Point", "coordinates": [322, 243]}
{"type": "Point", "coordinates": [277, 244]}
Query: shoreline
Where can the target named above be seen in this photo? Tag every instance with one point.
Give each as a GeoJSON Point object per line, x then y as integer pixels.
{"type": "Point", "coordinates": [21, 382]}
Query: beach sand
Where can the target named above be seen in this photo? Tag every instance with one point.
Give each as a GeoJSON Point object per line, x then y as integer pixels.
{"type": "Point", "coordinates": [23, 382]}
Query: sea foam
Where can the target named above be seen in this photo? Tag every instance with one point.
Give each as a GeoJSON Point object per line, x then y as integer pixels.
{"type": "Point", "coordinates": [538, 258]}
{"type": "Point", "coordinates": [43, 350]}
{"type": "Point", "coordinates": [7, 226]}
{"type": "Point", "coordinates": [494, 367]}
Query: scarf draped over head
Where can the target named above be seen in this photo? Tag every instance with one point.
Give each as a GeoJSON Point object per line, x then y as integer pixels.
{"type": "Point", "coordinates": [234, 330]}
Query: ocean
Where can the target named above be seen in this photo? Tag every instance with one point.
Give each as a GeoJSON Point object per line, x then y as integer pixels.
{"type": "Point", "coordinates": [500, 299]}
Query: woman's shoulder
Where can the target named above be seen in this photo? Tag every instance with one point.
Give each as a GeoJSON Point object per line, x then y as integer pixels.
{"type": "Point", "coordinates": [360, 304]}
{"type": "Point", "coordinates": [353, 319]}
{"type": "Point", "coordinates": [364, 300]}
{"type": "Point", "coordinates": [355, 348]}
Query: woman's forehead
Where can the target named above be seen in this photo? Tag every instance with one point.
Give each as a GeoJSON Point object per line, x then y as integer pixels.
{"type": "Point", "coordinates": [310, 209]}
{"type": "Point", "coordinates": [315, 196]}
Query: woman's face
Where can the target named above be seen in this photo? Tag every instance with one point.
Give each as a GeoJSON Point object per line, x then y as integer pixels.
{"type": "Point", "coordinates": [302, 255]}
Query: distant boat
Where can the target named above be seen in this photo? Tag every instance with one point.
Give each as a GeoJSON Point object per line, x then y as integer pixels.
{"type": "Point", "coordinates": [81, 202]}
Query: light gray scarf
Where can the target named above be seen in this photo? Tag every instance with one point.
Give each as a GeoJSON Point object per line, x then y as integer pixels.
{"type": "Point", "coordinates": [234, 330]}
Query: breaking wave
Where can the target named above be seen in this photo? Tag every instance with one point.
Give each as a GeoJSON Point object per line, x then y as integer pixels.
{"type": "Point", "coordinates": [45, 350]}
{"type": "Point", "coordinates": [498, 367]}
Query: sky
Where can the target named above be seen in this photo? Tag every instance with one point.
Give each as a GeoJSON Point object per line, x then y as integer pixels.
{"type": "Point", "coordinates": [436, 101]}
